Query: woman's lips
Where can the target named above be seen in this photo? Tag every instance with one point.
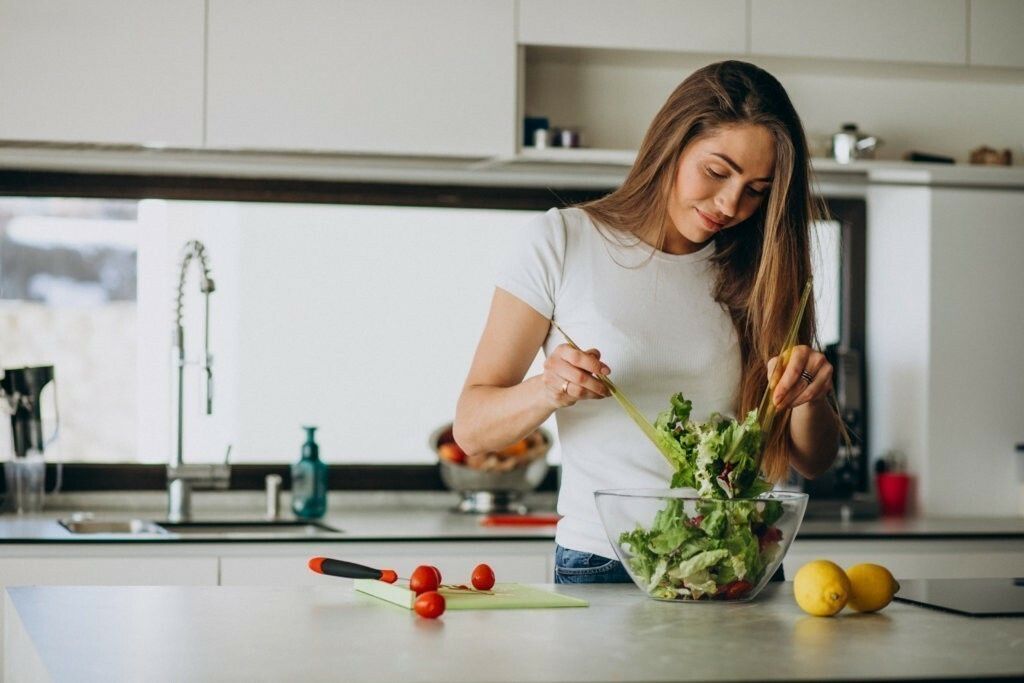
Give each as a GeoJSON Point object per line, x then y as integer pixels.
{"type": "Point", "coordinates": [708, 222]}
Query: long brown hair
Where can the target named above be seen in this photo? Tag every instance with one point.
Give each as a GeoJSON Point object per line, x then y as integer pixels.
{"type": "Point", "coordinates": [763, 262]}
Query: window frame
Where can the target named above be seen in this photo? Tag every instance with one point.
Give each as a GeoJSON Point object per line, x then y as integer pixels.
{"type": "Point", "coordinates": [79, 476]}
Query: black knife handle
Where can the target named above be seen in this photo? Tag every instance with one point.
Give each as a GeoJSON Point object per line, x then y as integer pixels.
{"type": "Point", "coordinates": [346, 570]}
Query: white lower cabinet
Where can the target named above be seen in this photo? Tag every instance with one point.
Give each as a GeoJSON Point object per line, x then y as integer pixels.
{"type": "Point", "coordinates": [522, 562]}
{"type": "Point", "coordinates": [58, 565]}
{"type": "Point", "coordinates": [51, 570]}
{"type": "Point", "coordinates": [916, 558]}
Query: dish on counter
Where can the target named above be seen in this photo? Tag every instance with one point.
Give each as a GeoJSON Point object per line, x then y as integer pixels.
{"type": "Point", "coordinates": [677, 545]}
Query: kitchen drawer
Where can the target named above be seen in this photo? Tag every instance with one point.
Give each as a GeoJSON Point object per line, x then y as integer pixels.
{"type": "Point", "coordinates": [108, 571]}
{"type": "Point", "coordinates": [917, 559]}
{"type": "Point", "coordinates": [105, 571]}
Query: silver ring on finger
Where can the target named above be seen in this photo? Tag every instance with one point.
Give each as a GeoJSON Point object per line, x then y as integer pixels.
{"type": "Point", "coordinates": [807, 377]}
{"type": "Point", "coordinates": [565, 387]}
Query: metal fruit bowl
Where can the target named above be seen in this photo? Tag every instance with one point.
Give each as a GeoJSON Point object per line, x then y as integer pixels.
{"type": "Point", "coordinates": [500, 487]}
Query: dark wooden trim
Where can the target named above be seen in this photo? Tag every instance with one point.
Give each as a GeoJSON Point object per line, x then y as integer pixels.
{"type": "Point", "coordinates": [283, 190]}
{"type": "Point", "coordinates": [79, 476]}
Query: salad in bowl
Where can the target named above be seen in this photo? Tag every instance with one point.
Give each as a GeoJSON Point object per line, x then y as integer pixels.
{"type": "Point", "coordinates": [719, 531]}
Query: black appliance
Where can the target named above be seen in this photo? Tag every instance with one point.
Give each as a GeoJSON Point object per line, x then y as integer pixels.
{"type": "Point", "coordinates": [20, 391]}
{"type": "Point", "coordinates": [846, 484]}
{"type": "Point", "coordinates": [973, 597]}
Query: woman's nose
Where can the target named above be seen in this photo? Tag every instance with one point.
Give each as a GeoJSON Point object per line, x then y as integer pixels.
{"type": "Point", "coordinates": [726, 203]}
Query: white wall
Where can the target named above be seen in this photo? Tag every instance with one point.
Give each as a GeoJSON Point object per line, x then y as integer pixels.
{"type": "Point", "coordinates": [898, 293]}
{"type": "Point", "coordinates": [614, 94]}
{"type": "Point", "coordinates": [976, 385]}
{"type": "Point", "coordinates": [945, 328]}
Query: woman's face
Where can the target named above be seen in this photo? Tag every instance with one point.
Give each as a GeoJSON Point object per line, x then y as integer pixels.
{"type": "Point", "coordinates": [721, 180]}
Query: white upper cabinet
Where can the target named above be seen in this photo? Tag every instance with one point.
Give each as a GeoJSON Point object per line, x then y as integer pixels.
{"type": "Point", "coordinates": [390, 77]}
{"type": "Point", "coordinates": [997, 33]}
{"type": "Point", "coordinates": [104, 71]}
{"type": "Point", "coordinates": [929, 31]}
{"type": "Point", "coordinates": [717, 26]}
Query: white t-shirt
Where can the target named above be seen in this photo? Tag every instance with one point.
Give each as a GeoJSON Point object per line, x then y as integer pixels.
{"type": "Point", "coordinates": [653, 317]}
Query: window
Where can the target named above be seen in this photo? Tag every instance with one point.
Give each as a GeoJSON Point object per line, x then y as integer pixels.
{"type": "Point", "coordinates": [359, 319]}
{"type": "Point", "coordinates": [67, 299]}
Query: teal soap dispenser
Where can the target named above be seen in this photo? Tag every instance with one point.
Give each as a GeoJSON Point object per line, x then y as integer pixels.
{"type": "Point", "coordinates": [309, 481]}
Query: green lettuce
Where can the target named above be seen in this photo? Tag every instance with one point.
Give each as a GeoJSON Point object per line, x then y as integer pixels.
{"type": "Point", "coordinates": [728, 543]}
{"type": "Point", "coordinates": [718, 457]}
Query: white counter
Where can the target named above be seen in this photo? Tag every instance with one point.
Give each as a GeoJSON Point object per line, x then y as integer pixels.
{"type": "Point", "coordinates": [391, 516]}
{"type": "Point", "coordinates": [332, 633]}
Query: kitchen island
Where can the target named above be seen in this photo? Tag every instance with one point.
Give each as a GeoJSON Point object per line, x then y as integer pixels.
{"type": "Point", "coordinates": [161, 633]}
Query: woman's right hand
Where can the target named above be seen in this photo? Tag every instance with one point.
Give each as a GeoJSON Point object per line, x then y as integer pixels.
{"type": "Point", "coordinates": [569, 375]}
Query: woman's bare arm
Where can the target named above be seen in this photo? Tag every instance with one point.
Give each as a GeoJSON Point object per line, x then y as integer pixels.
{"type": "Point", "coordinates": [497, 407]}
{"type": "Point", "coordinates": [815, 437]}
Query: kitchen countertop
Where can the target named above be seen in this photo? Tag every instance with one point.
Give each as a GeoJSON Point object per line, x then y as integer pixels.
{"type": "Point", "coordinates": [391, 516]}
{"type": "Point", "coordinates": [160, 633]}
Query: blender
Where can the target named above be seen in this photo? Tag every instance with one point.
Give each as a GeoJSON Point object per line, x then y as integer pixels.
{"type": "Point", "coordinates": [21, 391]}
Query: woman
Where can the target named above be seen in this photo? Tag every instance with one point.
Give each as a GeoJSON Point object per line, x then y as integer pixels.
{"type": "Point", "coordinates": [685, 278]}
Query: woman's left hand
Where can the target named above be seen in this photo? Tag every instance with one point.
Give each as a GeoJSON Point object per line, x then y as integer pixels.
{"type": "Point", "coordinates": [806, 377]}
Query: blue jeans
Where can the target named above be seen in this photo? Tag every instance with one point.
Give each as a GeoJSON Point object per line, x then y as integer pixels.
{"type": "Point", "coordinates": [574, 566]}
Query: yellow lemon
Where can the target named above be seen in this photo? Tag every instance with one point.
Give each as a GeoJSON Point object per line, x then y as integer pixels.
{"type": "Point", "coordinates": [821, 588]}
{"type": "Point", "coordinates": [871, 587]}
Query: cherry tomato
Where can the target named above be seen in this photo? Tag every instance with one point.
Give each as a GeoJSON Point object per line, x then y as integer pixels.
{"type": "Point", "coordinates": [483, 577]}
{"type": "Point", "coordinates": [737, 589]}
{"type": "Point", "coordinates": [769, 536]}
{"type": "Point", "coordinates": [423, 580]}
{"type": "Point", "coordinates": [437, 573]}
{"type": "Point", "coordinates": [429, 605]}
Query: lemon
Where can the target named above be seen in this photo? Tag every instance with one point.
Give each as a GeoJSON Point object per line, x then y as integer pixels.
{"type": "Point", "coordinates": [821, 588]}
{"type": "Point", "coordinates": [871, 587]}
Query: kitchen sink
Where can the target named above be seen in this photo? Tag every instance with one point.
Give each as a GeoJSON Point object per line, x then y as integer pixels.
{"type": "Point", "coordinates": [111, 526]}
{"type": "Point", "coordinates": [213, 529]}
{"type": "Point", "coordinates": [250, 528]}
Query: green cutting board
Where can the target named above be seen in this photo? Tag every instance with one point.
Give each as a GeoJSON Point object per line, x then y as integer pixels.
{"type": "Point", "coordinates": [503, 596]}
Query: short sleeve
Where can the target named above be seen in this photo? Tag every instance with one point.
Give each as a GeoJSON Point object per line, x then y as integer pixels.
{"type": "Point", "coordinates": [533, 271]}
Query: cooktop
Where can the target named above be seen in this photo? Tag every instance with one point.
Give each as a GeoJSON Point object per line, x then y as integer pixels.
{"type": "Point", "coordinates": [973, 597]}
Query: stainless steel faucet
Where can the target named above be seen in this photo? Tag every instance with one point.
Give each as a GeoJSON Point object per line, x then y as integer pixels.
{"type": "Point", "coordinates": [182, 478]}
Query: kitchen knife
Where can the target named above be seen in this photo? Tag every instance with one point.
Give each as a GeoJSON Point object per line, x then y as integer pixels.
{"type": "Point", "coordinates": [520, 520]}
{"type": "Point", "coordinates": [350, 570]}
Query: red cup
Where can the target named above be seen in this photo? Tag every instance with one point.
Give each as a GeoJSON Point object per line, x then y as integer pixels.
{"type": "Point", "coordinates": [893, 490]}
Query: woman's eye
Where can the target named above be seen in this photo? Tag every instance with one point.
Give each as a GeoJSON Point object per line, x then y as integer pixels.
{"type": "Point", "coordinates": [720, 176]}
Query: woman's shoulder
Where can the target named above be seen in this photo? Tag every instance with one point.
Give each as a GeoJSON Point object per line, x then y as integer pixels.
{"type": "Point", "coordinates": [567, 224]}
{"type": "Point", "coordinates": [560, 225]}
{"type": "Point", "coordinates": [575, 218]}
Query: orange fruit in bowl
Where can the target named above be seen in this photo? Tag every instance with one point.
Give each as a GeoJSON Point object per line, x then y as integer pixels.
{"type": "Point", "coordinates": [517, 448]}
{"type": "Point", "coordinates": [451, 452]}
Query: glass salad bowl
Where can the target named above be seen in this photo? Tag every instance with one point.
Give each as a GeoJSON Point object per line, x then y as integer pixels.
{"type": "Point", "coordinates": [678, 546]}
